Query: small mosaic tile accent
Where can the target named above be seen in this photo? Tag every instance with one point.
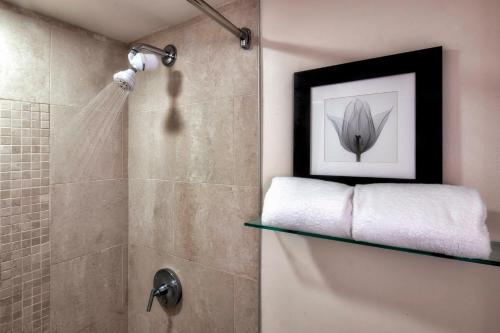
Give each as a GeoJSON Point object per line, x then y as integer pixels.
{"type": "Point", "coordinates": [24, 217]}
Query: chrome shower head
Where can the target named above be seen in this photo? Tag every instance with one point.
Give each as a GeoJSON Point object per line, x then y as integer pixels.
{"type": "Point", "coordinates": [138, 62]}
{"type": "Point", "coordinates": [125, 79]}
{"type": "Point", "coordinates": [143, 62]}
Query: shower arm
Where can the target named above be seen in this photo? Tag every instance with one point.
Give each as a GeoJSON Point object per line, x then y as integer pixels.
{"type": "Point", "coordinates": [168, 55]}
{"type": "Point", "coordinates": [244, 34]}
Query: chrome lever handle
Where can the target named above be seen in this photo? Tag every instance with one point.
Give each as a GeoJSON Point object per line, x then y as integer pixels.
{"type": "Point", "coordinates": [151, 298]}
{"type": "Point", "coordinates": [162, 290]}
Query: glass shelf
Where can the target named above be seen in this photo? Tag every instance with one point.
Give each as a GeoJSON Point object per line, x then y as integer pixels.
{"type": "Point", "coordinates": [494, 259]}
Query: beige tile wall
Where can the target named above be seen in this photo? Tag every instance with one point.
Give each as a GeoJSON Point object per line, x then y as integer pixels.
{"type": "Point", "coordinates": [194, 179]}
{"type": "Point", "coordinates": [62, 67]}
{"type": "Point", "coordinates": [24, 221]}
{"type": "Point", "coordinates": [89, 199]}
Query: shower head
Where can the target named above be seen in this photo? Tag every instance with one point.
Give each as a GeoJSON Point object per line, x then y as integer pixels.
{"type": "Point", "coordinates": [140, 61]}
{"type": "Point", "coordinates": [125, 79]}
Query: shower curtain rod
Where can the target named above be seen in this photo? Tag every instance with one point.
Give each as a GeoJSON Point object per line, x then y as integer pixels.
{"type": "Point", "coordinates": [244, 34]}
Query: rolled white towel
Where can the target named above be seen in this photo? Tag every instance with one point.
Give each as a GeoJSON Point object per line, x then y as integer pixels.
{"type": "Point", "coordinates": [309, 205]}
{"type": "Point", "coordinates": [437, 218]}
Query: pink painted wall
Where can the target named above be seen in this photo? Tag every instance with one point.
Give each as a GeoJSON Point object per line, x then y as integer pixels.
{"type": "Point", "coordinates": [317, 286]}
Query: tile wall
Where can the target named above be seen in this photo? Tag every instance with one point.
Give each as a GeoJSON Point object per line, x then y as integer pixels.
{"type": "Point", "coordinates": [76, 281]}
{"type": "Point", "coordinates": [24, 221]}
{"type": "Point", "coordinates": [194, 179]}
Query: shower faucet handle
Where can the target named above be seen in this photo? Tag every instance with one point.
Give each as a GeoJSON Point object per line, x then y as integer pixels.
{"type": "Point", "coordinates": [162, 290]}
{"type": "Point", "coordinates": [151, 299]}
{"type": "Point", "coordinates": [166, 288]}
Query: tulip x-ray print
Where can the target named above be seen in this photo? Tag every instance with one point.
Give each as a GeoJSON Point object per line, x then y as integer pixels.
{"type": "Point", "coordinates": [368, 121]}
{"type": "Point", "coordinates": [362, 128]}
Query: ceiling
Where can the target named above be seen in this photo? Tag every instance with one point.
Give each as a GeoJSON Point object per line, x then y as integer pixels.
{"type": "Point", "coordinates": [124, 20]}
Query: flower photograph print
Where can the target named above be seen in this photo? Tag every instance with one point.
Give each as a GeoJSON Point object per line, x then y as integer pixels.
{"type": "Point", "coordinates": [377, 120]}
{"type": "Point", "coordinates": [361, 128]}
{"type": "Point", "coordinates": [364, 128]}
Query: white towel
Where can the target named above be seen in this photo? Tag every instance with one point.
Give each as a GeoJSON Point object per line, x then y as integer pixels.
{"type": "Point", "coordinates": [437, 218]}
{"type": "Point", "coordinates": [310, 205]}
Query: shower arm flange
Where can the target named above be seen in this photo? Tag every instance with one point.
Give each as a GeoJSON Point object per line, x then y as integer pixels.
{"type": "Point", "coordinates": [168, 54]}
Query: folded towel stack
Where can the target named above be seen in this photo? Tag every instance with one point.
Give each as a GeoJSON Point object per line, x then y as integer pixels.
{"type": "Point", "coordinates": [309, 205]}
{"type": "Point", "coordinates": [437, 218]}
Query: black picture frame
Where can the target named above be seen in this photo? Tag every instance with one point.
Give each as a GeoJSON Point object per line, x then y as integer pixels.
{"type": "Point", "coordinates": [427, 66]}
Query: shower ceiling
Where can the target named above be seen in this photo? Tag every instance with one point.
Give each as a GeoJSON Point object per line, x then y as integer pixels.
{"type": "Point", "coordinates": [124, 20]}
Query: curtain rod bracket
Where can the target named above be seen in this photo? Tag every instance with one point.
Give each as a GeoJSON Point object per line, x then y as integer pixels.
{"type": "Point", "coordinates": [244, 34]}
{"type": "Point", "coordinates": [245, 38]}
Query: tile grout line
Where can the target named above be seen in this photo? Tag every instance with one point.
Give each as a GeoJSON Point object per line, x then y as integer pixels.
{"type": "Point", "coordinates": [192, 182]}
{"type": "Point", "coordinates": [88, 254]}
{"type": "Point", "coordinates": [204, 101]}
{"type": "Point", "coordinates": [174, 216]}
{"type": "Point", "coordinates": [50, 166]}
{"type": "Point", "coordinates": [79, 106]}
{"type": "Point", "coordinates": [212, 268]}
{"type": "Point", "coordinates": [124, 249]}
{"type": "Point", "coordinates": [234, 304]}
{"type": "Point", "coordinates": [89, 181]}
{"type": "Point", "coordinates": [234, 140]}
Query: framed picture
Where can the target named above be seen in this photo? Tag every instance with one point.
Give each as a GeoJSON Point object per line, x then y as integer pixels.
{"type": "Point", "coordinates": [370, 121]}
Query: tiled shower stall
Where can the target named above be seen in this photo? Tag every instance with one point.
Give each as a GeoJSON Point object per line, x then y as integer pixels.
{"type": "Point", "coordinates": [171, 185]}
